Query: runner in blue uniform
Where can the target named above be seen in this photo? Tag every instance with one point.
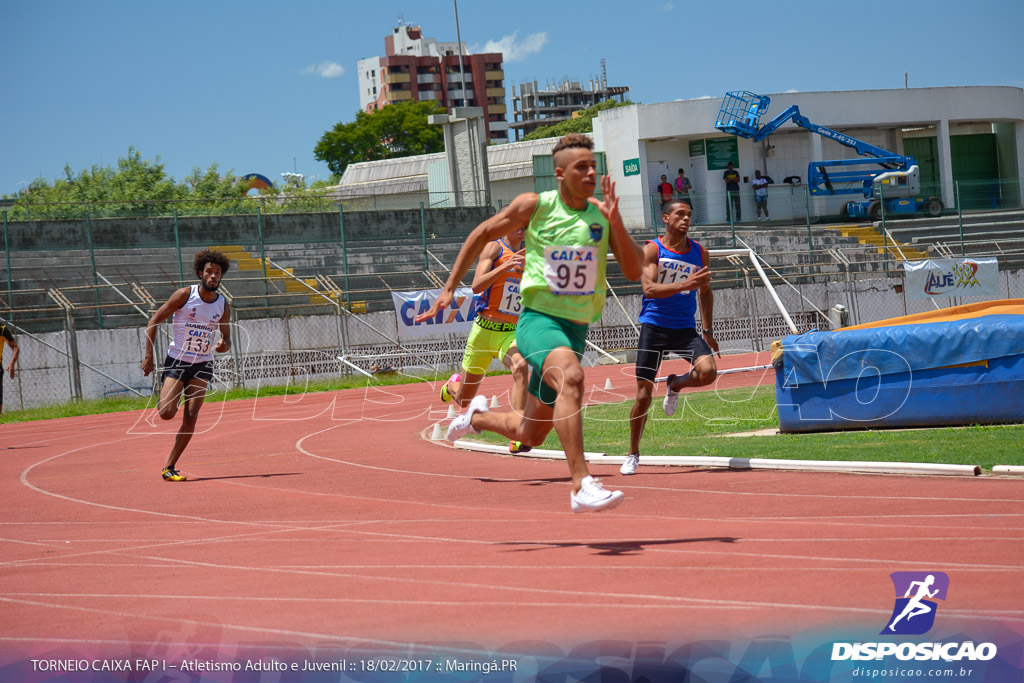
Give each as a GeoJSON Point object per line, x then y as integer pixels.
{"type": "Point", "coordinates": [675, 273]}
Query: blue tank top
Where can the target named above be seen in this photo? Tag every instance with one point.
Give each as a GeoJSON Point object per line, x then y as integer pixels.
{"type": "Point", "coordinates": [678, 311]}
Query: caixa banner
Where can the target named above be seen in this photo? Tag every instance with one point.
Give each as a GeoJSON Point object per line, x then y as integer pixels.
{"type": "Point", "coordinates": [952, 277]}
{"type": "Point", "coordinates": [456, 319]}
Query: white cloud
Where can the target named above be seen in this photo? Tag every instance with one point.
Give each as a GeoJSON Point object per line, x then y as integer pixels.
{"type": "Point", "coordinates": [325, 69]}
{"type": "Point", "coordinates": [513, 49]}
{"type": "Point", "coordinates": [703, 97]}
{"type": "Point", "coordinates": [667, 7]}
{"type": "Point", "coordinates": [792, 90]}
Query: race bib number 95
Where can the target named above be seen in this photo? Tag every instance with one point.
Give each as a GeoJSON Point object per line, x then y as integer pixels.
{"type": "Point", "coordinates": [570, 270]}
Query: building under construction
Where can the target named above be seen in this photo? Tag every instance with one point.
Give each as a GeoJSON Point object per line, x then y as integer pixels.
{"type": "Point", "coordinates": [534, 107]}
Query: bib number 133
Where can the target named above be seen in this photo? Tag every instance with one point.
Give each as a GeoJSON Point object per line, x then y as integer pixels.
{"type": "Point", "coordinates": [570, 270]}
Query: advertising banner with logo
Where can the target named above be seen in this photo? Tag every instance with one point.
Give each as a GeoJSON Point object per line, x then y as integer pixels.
{"type": "Point", "coordinates": [952, 277]}
{"type": "Point", "coordinates": [457, 319]}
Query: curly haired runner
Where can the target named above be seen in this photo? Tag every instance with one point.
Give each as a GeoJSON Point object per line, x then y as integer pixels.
{"type": "Point", "coordinates": [199, 313]}
{"type": "Point", "coordinates": [568, 233]}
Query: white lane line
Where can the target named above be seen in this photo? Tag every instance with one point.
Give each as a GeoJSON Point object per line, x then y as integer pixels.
{"type": "Point", "coordinates": [529, 590]}
{"type": "Point", "coordinates": [331, 637]}
{"type": "Point", "coordinates": [710, 603]}
{"type": "Point", "coordinates": [44, 544]}
{"type": "Point", "coordinates": [1014, 615]}
{"type": "Point", "coordinates": [483, 566]}
{"type": "Point", "coordinates": [299, 446]}
{"type": "Point", "coordinates": [179, 543]}
{"type": "Point", "coordinates": [240, 538]}
{"type": "Point", "coordinates": [830, 496]}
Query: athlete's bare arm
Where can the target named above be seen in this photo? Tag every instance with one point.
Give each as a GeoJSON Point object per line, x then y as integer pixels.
{"type": "Point", "coordinates": [706, 301]}
{"type": "Point", "coordinates": [627, 252]}
{"type": "Point", "coordinates": [515, 216]}
{"type": "Point", "coordinates": [225, 329]}
{"type": "Point", "coordinates": [486, 274]}
{"type": "Point", "coordinates": [176, 301]}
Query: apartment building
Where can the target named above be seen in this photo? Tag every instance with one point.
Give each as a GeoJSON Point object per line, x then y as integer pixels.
{"type": "Point", "coordinates": [417, 68]}
{"type": "Point", "coordinates": [534, 107]}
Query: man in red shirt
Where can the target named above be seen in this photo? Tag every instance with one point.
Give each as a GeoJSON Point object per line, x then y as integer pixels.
{"type": "Point", "coordinates": [665, 189]}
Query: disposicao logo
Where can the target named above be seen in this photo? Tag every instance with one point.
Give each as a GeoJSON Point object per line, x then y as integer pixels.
{"type": "Point", "coordinates": [915, 609]}
{"type": "Point", "coordinates": [914, 614]}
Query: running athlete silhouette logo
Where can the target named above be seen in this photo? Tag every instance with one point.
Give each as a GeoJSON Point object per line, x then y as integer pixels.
{"type": "Point", "coordinates": [914, 614]}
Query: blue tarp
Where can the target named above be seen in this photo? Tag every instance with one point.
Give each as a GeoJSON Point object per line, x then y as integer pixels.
{"type": "Point", "coordinates": [946, 373]}
{"type": "Point", "coordinates": [827, 356]}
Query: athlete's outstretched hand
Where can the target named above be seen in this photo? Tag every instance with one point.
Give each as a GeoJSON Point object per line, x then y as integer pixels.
{"type": "Point", "coordinates": [609, 204]}
{"type": "Point", "coordinates": [444, 300]}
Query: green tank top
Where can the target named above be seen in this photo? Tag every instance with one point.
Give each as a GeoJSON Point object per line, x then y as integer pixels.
{"type": "Point", "coordinates": [566, 258]}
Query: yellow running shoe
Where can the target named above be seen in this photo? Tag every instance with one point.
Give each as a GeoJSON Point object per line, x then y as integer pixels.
{"type": "Point", "coordinates": [518, 447]}
{"type": "Point", "coordinates": [171, 474]}
{"type": "Point", "coordinates": [446, 394]}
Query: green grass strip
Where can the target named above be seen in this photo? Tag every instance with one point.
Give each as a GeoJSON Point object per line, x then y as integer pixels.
{"type": "Point", "coordinates": [115, 404]}
{"type": "Point", "coordinates": [696, 428]}
{"type": "Point", "coordinates": [703, 418]}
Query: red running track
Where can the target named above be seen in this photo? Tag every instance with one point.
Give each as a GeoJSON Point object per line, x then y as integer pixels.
{"type": "Point", "coordinates": [328, 519]}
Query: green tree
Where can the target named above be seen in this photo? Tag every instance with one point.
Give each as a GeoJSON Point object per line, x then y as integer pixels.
{"type": "Point", "coordinates": [397, 130]}
{"type": "Point", "coordinates": [584, 123]}
{"type": "Point", "coordinates": [135, 186]}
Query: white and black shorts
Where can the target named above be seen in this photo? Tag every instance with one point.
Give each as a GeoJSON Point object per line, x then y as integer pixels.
{"type": "Point", "coordinates": [183, 372]}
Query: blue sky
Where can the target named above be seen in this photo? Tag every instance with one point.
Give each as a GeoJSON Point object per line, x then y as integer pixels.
{"type": "Point", "coordinates": [251, 86]}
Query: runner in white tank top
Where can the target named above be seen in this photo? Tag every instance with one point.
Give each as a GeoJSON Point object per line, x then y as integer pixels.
{"type": "Point", "coordinates": [199, 312]}
{"type": "Point", "coordinates": [195, 327]}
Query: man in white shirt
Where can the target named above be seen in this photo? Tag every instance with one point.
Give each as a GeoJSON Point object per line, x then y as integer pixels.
{"type": "Point", "coordinates": [760, 184]}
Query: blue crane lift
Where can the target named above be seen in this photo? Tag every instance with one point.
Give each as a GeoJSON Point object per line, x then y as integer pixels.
{"type": "Point", "coordinates": [896, 183]}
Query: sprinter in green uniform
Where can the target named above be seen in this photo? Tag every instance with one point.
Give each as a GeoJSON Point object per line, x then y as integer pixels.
{"type": "Point", "coordinates": [568, 233]}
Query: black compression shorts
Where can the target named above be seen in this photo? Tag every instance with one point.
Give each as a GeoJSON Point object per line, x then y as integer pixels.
{"type": "Point", "coordinates": [180, 370]}
{"type": "Point", "coordinates": [656, 341]}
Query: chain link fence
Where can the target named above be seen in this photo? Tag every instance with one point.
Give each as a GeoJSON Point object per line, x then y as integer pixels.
{"type": "Point", "coordinates": [59, 366]}
{"type": "Point", "coordinates": [308, 288]}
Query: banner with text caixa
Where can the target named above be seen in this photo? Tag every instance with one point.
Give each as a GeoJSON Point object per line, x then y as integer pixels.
{"type": "Point", "coordinates": [952, 277]}
{"type": "Point", "coordinates": [458, 319]}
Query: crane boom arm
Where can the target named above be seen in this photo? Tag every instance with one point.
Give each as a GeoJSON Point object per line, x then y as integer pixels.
{"type": "Point", "coordinates": [793, 112]}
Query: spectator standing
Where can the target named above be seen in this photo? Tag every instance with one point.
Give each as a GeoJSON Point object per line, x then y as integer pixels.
{"type": "Point", "coordinates": [732, 193]}
{"type": "Point", "coordinates": [665, 190]}
{"type": "Point", "coordinates": [760, 184]}
{"type": "Point", "coordinates": [683, 187]}
{"type": "Point", "coordinates": [7, 338]}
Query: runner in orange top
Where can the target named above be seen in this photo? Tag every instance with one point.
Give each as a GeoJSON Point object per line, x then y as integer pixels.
{"type": "Point", "coordinates": [497, 278]}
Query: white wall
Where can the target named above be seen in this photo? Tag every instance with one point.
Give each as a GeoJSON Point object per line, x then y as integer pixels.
{"type": "Point", "coordinates": [368, 82]}
{"type": "Point", "coordinates": [659, 132]}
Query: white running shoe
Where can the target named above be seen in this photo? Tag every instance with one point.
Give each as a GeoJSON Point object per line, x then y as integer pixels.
{"type": "Point", "coordinates": [593, 497]}
{"type": "Point", "coordinates": [462, 424]}
{"type": "Point", "coordinates": [671, 397]}
{"type": "Point", "coordinates": [629, 467]}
